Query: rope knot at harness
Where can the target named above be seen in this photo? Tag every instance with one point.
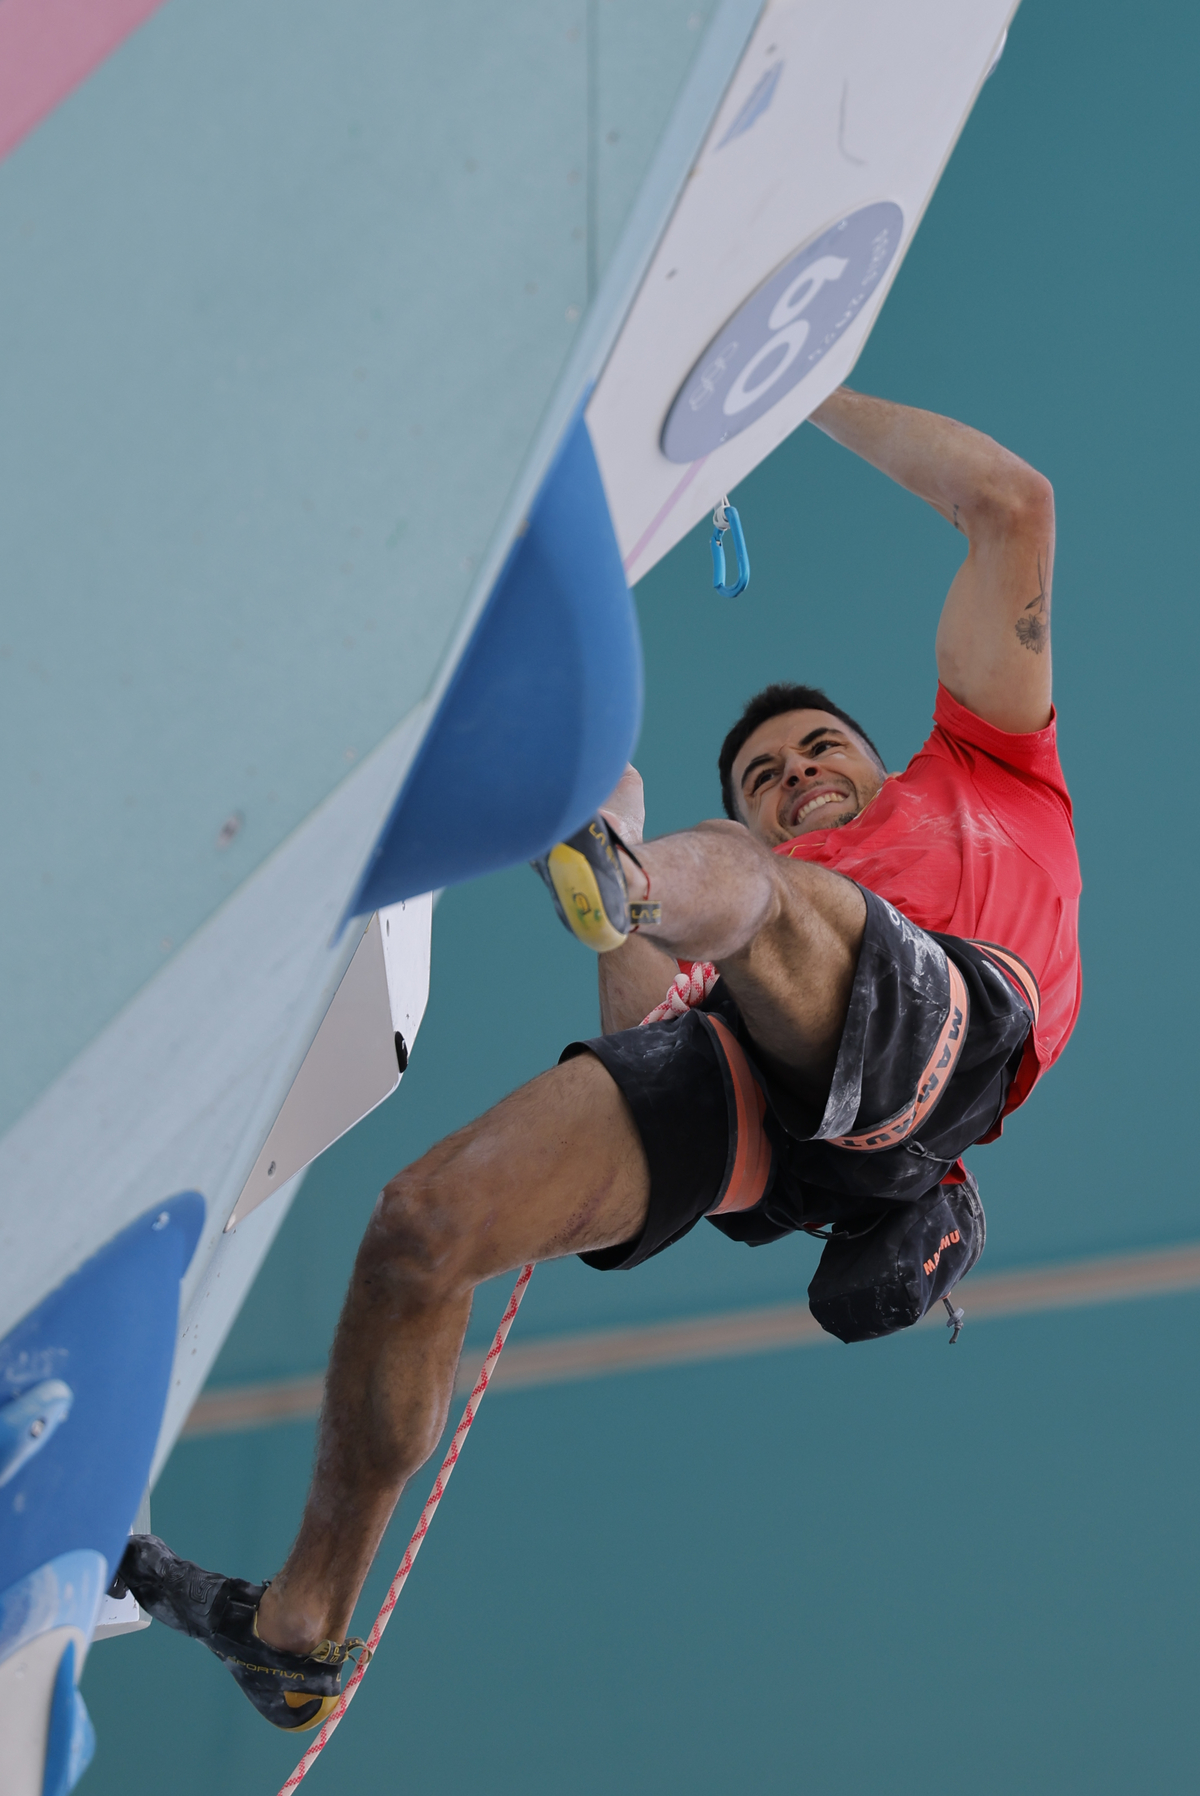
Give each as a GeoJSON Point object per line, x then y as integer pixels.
{"type": "Point", "coordinates": [685, 992]}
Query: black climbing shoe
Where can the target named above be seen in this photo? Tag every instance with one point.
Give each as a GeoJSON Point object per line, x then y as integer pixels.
{"type": "Point", "coordinates": [587, 884]}
{"type": "Point", "coordinates": [293, 1690]}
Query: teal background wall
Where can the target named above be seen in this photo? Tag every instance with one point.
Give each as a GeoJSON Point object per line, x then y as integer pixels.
{"type": "Point", "coordinates": [837, 1571]}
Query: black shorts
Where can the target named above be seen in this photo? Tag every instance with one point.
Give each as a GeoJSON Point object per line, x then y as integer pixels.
{"type": "Point", "coordinates": [934, 1034]}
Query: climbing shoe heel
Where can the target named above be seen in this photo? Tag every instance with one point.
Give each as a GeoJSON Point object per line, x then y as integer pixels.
{"type": "Point", "coordinates": [587, 884]}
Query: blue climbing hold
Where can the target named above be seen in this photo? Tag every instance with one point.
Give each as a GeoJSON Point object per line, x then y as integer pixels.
{"type": "Point", "coordinates": [71, 1739]}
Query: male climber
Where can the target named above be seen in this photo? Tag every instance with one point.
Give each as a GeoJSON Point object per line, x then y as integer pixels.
{"type": "Point", "coordinates": [895, 965]}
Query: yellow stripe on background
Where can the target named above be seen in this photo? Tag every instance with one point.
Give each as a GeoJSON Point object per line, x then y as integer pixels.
{"type": "Point", "coordinates": [562, 1359]}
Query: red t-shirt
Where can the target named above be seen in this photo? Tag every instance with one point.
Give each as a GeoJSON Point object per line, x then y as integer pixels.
{"type": "Point", "coordinates": [975, 839]}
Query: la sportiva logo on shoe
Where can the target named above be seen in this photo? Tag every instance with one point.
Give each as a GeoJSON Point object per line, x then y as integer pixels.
{"type": "Point", "coordinates": [600, 836]}
{"type": "Point", "coordinates": [274, 1671]}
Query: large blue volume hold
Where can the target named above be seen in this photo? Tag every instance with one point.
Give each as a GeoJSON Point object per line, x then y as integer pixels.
{"type": "Point", "coordinates": [541, 715]}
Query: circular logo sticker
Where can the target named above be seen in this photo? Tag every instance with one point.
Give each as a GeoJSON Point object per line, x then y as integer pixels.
{"type": "Point", "coordinates": [782, 331]}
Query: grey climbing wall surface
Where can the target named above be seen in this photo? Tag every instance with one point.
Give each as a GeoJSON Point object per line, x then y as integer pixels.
{"type": "Point", "coordinates": [285, 290]}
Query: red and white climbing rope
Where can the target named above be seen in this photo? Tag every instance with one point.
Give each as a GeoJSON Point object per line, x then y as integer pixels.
{"type": "Point", "coordinates": [685, 992]}
{"type": "Point", "coordinates": [419, 1533]}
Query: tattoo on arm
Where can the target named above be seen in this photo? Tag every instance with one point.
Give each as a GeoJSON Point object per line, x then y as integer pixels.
{"type": "Point", "coordinates": [954, 519]}
{"type": "Point", "coordinates": [1033, 625]}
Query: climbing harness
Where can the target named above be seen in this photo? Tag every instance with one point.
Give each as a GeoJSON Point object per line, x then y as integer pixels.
{"type": "Point", "coordinates": [419, 1533]}
{"type": "Point", "coordinates": [725, 518]}
{"type": "Point", "coordinates": [690, 988]}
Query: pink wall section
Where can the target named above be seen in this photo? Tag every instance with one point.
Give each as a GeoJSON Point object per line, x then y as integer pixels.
{"type": "Point", "coordinates": [47, 47]}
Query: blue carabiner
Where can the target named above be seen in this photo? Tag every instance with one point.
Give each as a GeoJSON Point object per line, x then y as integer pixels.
{"type": "Point", "coordinates": [725, 518]}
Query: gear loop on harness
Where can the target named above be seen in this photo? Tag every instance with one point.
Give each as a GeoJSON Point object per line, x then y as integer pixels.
{"type": "Point", "coordinates": [725, 518]}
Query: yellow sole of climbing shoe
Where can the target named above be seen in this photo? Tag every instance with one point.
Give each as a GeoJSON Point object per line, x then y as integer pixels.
{"type": "Point", "coordinates": [578, 892]}
{"type": "Point", "coordinates": [295, 1699]}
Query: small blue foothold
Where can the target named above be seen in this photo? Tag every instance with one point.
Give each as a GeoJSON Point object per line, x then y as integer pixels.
{"type": "Point", "coordinates": [72, 1738]}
